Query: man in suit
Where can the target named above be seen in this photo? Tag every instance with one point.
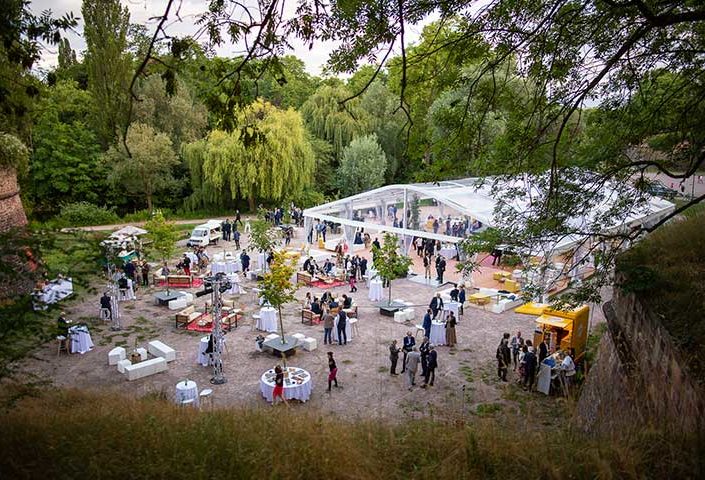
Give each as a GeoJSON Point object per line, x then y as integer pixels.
{"type": "Point", "coordinates": [427, 323]}
{"type": "Point", "coordinates": [436, 305]}
{"type": "Point", "coordinates": [408, 344]}
{"type": "Point", "coordinates": [342, 335]}
{"type": "Point", "coordinates": [245, 260]}
{"type": "Point", "coordinates": [454, 293]}
{"type": "Point", "coordinates": [412, 365]}
{"type": "Point", "coordinates": [236, 237]}
{"type": "Point", "coordinates": [431, 365]}
{"type": "Point", "coordinates": [441, 268]}
{"type": "Point", "coordinates": [106, 304]}
{"type": "Point", "coordinates": [424, 348]}
{"type": "Point", "coordinates": [461, 299]}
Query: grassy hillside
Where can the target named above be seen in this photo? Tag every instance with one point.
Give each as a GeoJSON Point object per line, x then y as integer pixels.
{"type": "Point", "coordinates": [70, 434]}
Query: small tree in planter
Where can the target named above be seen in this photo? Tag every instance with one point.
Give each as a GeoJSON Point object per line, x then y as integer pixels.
{"type": "Point", "coordinates": [389, 263]}
{"type": "Point", "coordinates": [276, 285]}
{"type": "Point", "coordinates": [163, 237]}
{"type": "Point", "coordinates": [263, 237]}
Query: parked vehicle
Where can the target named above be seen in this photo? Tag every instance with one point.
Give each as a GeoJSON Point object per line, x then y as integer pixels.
{"type": "Point", "coordinates": [205, 234]}
{"type": "Point", "coordinates": [658, 189]}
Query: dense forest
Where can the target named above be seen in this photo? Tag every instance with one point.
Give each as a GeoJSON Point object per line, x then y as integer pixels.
{"type": "Point", "coordinates": [192, 131]}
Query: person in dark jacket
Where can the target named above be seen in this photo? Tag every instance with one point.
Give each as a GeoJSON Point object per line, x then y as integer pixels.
{"type": "Point", "coordinates": [543, 351]}
{"type": "Point", "coordinates": [393, 357]}
{"type": "Point", "coordinates": [245, 260]}
{"type": "Point", "coordinates": [529, 368]}
{"type": "Point", "coordinates": [409, 342]}
{"type": "Point", "coordinates": [436, 305]}
{"type": "Point", "coordinates": [427, 323]}
{"type": "Point", "coordinates": [504, 359]}
{"type": "Point", "coordinates": [106, 304]}
{"type": "Point", "coordinates": [432, 364]}
{"type": "Point", "coordinates": [461, 299]}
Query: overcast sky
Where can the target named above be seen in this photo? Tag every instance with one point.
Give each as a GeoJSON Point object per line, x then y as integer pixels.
{"type": "Point", "coordinates": [142, 10]}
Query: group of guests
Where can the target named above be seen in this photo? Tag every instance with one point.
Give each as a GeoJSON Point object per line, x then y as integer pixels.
{"type": "Point", "coordinates": [137, 271]}
{"type": "Point", "coordinates": [425, 355]}
{"type": "Point", "coordinates": [230, 231]}
{"type": "Point", "coordinates": [450, 322]}
{"type": "Point", "coordinates": [278, 392]}
{"type": "Point", "coordinates": [454, 228]}
{"type": "Point", "coordinates": [521, 354]}
{"type": "Point", "coordinates": [330, 308]}
{"type": "Point", "coordinates": [428, 249]}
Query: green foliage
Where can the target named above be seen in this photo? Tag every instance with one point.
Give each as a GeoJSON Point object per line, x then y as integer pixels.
{"type": "Point", "coordinates": [276, 284]}
{"type": "Point", "coordinates": [13, 153]}
{"type": "Point", "coordinates": [82, 214]}
{"type": "Point", "coordinates": [263, 236]}
{"type": "Point", "coordinates": [66, 165]}
{"type": "Point", "coordinates": [268, 156]}
{"type": "Point", "coordinates": [147, 169]}
{"type": "Point", "coordinates": [388, 262]}
{"type": "Point", "coordinates": [108, 65]}
{"type": "Point", "coordinates": [162, 236]}
{"type": "Point", "coordinates": [362, 166]}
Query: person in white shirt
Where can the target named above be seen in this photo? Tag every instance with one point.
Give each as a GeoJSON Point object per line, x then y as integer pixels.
{"type": "Point", "coordinates": [568, 370]}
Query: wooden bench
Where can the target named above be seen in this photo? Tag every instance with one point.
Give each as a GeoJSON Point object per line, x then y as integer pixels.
{"type": "Point", "coordinates": [310, 318]}
{"type": "Point", "coordinates": [177, 281]}
{"type": "Point", "coordinates": [234, 316]}
{"type": "Point", "coordinates": [186, 316]}
{"type": "Point", "coordinates": [351, 312]}
{"type": "Point", "coordinates": [304, 277]}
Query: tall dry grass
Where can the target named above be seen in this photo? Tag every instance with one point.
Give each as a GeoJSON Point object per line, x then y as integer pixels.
{"type": "Point", "coordinates": [72, 434]}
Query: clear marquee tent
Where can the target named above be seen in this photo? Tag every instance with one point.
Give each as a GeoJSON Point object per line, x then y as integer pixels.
{"type": "Point", "coordinates": [468, 201]}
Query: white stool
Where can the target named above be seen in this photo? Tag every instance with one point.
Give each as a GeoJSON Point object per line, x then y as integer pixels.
{"type": "Point", "coordinates": [419, 328]}
{"type": "Point", "coordinates": [399, 317]}
{"type": "Point", "coordinates": [115, 355]}
{"type": "Point", "coordinates": [63, 345]}
{"type": "Point", "coordinates": [105, 315]}
{"type": "Point", "coordinates": [299, 338]}
{"type": "Point", "coordinates": [255, 319]}
{"type": "Point", "coordinates": [142, 352]}
{"type": "Point", "coordinates": [188, 403]}
{"type": "Point", "coordinates": [206, 395]}
{"type": "Point", "coordinates": [410, 314]}
{"type": "Point", "coordinates": [122, 364]}
{"type": "Point", "coordinates": [310, 344]}
{"type": "Point", "coordinates": [271, 336]}
{"type": "Point", "coordinates": [353, 326]}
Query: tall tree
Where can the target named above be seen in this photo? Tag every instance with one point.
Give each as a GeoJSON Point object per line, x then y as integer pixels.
{"type": "Point", "coordinates": [163, 236]}
{"type": "Point", "coordinates": [389, 263]}
{"type": "Point", "coordinates": [147, 169]}
{"type": "Point", "coordinates": [362, 166]}
{"type": "Point", "coordinates": [268, 156]}
{"type": "Point", "coordinates": [108, 65]}
{"type": "Point", "coordinates": [66, 166]}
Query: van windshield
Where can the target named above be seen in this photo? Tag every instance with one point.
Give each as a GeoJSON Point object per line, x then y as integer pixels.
{"type": "Point", "coordinates": [200, 233]}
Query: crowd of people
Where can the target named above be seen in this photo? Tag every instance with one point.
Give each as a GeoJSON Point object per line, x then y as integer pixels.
{"type": "Point", "coordinates": [425, 355]}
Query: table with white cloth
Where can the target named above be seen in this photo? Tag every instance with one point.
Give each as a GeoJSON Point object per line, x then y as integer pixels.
{"type": "Point", "coordinates": [348, 330]}
{"type": "Point", "coordinates": [80, 339]}
{"type": "Point", "coordinates": [267, 320]}
{"type": "Point", "coordinates": [130, 293]}
{"type": "Point", "coordinates": [438, 333]}
{"type": "Point", "coordinates": [187, 390]}
{"type": "Point", "coordinates": [297, 384]}
{"type": "Point", "coordinates": [235, 284]}
{"type": "Point", "coordinates": [375, 290]}
{"type": "Point", "coordinates": [192, 256]}
{"type": "Point", "coordinates": [230, 266]}
{"type": "Point", "coordinates": [53, 292]}
{"type": "Point", "coordinates": [203, 357]}
{"type": "Point", "coordinates": [370, 275]}
{"type": "Point", "coordinates": [448, 251]}
{"type": "Point", "coordinates": [451, 307]}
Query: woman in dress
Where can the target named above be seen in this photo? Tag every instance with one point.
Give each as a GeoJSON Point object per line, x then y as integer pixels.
{"type": "Point", "coordinates": [451, 339]}
{"type": "Point", "coordinates": [279, 386]}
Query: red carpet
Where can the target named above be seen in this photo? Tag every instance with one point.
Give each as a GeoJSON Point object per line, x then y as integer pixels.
{"type": "Point", "coordinates": [207, 328]}
{"type": "Point", "coordinates": [195, 283]}
{"type": "Point", "coordinates": [321, 284]}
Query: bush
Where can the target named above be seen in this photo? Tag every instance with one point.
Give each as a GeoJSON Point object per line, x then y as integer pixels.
{"type": "Point", "coordinates": [83, 214]}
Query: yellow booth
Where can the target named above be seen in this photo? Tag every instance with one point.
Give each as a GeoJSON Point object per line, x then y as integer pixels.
{"type": "Point", "coordinates": [563, 330]}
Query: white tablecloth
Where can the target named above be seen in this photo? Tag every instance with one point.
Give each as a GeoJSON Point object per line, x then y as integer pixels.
{"type": "Point", "coordinates": [291, 390]}
{"type": "Point", "coordinates": [448, 252]}
{"type": "Point", "coordinates": [348, 330]}
{"type": "Point", "coordinates": [186, 390]}
{"type": "Point", "coordinates": [438, 333]}
{"type": "Point", "coordinates": [261, 260]}
{"type": "Point", "coordinates": [80, 340]}
{"type": "Point", "coordinates": [192, 256]}
{"type": "Point", "coordinates": [53, 292]}
{"type": "Point", "coordinates": [230, 266]}
{"type": "Point", "coordinates": [267, 319]}
{"type": "Point", "coordinates": [235, 282]}
{"type": "Point", "coordinates": [451, 307]}
{"type": "Point", "coordinates": [203, 357]}
{"type": "Point", "coordinates": [375, 290]}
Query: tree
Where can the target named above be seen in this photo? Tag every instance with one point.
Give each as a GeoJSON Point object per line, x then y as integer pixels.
{"type": "Point", "coordinates": [362, 166]}
{"type": "Point", "coordinates": [263, 237]}
{"type": "Point", "coordinates": [389, 263]}
{"type": "Point", "coordinates": [66, 165]}
{"type": "Point", "coordinates": [277, 288]}
{"type": "Point", "coordinates": [108, 65]}
{"type": "Point", "coordinates": [162, 236]}
{"type": "Point", "coordinates": [148, 170]}
{"type": "Point", "coordinates": [268, 156]}
{"type": "Point", "coordinates": [179, 115]}
{"type": "Point", "coordinates": [13, 159]}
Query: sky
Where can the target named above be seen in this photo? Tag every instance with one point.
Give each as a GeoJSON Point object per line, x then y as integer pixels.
{"type": "Point", "coordinates": [143, 11]}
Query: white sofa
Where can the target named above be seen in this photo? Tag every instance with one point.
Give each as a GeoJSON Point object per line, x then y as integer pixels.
{"type": "Point", "coordinates": [122, 364]}
{"type": "Point", "coordinates": [159, 349]}
{"type": "Point", "coordinates": [115, 355]}
{"type": "Point", "coordinates": [146, 368]}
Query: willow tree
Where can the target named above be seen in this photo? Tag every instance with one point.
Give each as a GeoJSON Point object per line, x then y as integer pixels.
{"type": "Point", "coordinates": [267, 156]}
{"type": "Point", "coordinates": [332, 119]}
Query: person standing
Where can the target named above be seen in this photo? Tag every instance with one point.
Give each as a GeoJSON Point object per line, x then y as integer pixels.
{"type": "Point", "coordinates": [333, 371]}
{"type": "Point", "coordinates": [427, 266]}
{"type": "Point", "coordinates": [454, 293]}
{"type": "Point", "coordinates": [436, 305]}
{"type": "Point", "coordinates": [145, 273]}
{"type": "Point", "coordinates": [408, 344]}
{"type": "Point", "coordinates": [427, 324]}
{"type": "Point", "coordinates": [342, 322]}
{"type": "Point", "coordinates": [278, 386]}
{"type": "Point", "coordinates": [130, 270]}
{"type": "Point", "coordinates": [431, 367]}
{"type": "Point", "coordinates": [451, 338]}
{"type": "Point", "coordinates": [516, 344]}
{"type": "Point", "coordinates": [441, 269]}
{"type": "Point", "coordinates": [412, 365]}
{"type": "Point", "coordinates": [461, 299]}
{"type": "Point", "coordinates": [543, 351]}
{"type": "Point", "coordinates": [530, 365]}
{"type": "Point", "coordinates": [424, 348]}
{"type": "Point", "coordinates": [328, 321]}
{"type": "Point", "coordinates": [237, 218]}
{"type": "Point", "coordinates": [503, 359]}
{"type": "Point", "coordinates": [236, 237]}
{"type": "Point", "coordinates": [393, 357]}
{"type": "Point", "coordinates": [245, 260]}
{"type": "Point", "coordinates": [352, 280]}
{"type": "Point", "coordinates": [186, 263]}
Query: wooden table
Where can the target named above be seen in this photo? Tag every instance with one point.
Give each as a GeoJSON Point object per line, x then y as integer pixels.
{"type": "Point", "coordinates": [480, 298]}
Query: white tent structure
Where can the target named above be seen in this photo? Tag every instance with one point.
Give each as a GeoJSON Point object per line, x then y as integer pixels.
{"type": "Point", "coordinates": [470, 202]}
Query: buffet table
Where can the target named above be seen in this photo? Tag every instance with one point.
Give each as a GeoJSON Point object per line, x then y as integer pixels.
{"type": "Point", "coordinates": [438, 333]}
{"type": "Point", "coordinates": [80, 339]}
{"type": "Point", "coordinates": [297, 384]}
{"type": "Point", "coordinates": [376, 293]}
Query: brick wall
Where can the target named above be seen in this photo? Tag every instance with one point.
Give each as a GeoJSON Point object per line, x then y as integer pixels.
{"type": "Point", "coordinates": [11, 210]}
{"type": "Point", "coordinates": [637, 378]}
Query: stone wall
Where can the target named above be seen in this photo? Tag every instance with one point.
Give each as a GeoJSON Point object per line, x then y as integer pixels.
{"type": "Point", "coordinates": [11, 210]}
{"type": "Point", "coordinates": [637, 378]}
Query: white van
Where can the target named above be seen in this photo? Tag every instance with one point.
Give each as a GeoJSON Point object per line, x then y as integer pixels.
{"type": "Point", "coordinates": [205, 234]}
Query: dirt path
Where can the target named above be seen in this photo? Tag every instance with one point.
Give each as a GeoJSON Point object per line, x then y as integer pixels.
{"type": "Point", "coordinates": [116, 226]}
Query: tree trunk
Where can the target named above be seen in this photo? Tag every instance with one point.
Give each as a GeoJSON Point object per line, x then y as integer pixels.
{"type": "Point", "coordinates": [149, 203]}
{"type": "Point", "coordinates": [251, 203]}
{"type": "Point", "coordinates": [389, 302]}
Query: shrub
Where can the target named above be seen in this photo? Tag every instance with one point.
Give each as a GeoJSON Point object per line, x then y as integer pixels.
{"type": "Point", "coordinates": [82, 214]}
